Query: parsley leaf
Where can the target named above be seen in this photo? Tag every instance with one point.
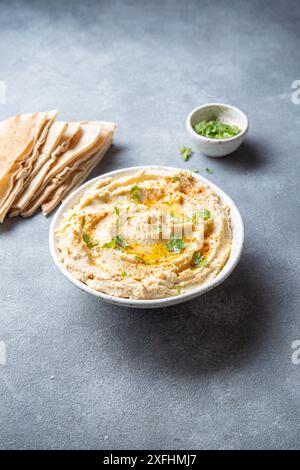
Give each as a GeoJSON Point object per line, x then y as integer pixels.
{"type": "Point", "coordinates": [216, 129]}
{"type": "Point", "coordinates": [111, 244]}
{"type": "Point", "coordinates": [121, 242]}
{"type": "Point", "coordinates": [209, 171]}
{"type": "Point", "coordinates": [135, 193]}
{"type": "Point", "coordinates": [175, 179]}
{"type": "Point", "coordinates": [140, 259]}
{"type": "Point", "coordinates": [125, 274]}
{"type": "Point", "coordinates": [117, 242]}
{"type": "Point", "coordinates": [88, 241]}
{"type": "Point", "coordinates": [175, 245]}
{"type": "Point", "coordinates": [117, 210]}
{"type": "Point", "coordinates": [186, 152]}
{"type": "Point", "coordinates": [198, 259]}
{"type": "Point", "coordinates": [204, 214]}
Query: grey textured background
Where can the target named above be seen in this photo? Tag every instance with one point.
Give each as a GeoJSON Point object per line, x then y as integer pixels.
{"type": "Point", "coordinates": [212, 373]}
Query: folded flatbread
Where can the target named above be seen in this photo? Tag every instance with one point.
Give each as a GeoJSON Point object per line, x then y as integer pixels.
{"type": "Point", "coordinates": [58, 140]}
{"type": "Point", "coordinates": [42, 160]}
{"type": "Point", "coordinates": [74, 181]}
{"type": "Point", "coordinates": [88, 147]}
{"type": "Point", "coordinates": [20, 139]}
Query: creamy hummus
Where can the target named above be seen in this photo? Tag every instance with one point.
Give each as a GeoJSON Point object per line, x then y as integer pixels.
{"type": "Point", "coordinates": [146, 236]}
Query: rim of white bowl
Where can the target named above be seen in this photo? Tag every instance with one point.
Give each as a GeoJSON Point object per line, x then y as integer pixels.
{"type": "Point", "coordinates": [165, 301]}
{"type": "Point", "coordinates": [210, 139]}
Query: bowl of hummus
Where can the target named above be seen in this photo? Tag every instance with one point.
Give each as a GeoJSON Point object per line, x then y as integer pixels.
{"type": "Point", "coordinates": [147, 237]}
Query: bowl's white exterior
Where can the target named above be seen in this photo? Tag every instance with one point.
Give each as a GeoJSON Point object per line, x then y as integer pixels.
{"type": "Point", "coordinates": [226, 113]}
{"type": "Point", "coordinates": [237, 244]}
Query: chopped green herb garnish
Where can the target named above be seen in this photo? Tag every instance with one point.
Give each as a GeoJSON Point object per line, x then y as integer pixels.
{"type": "Point", "coordinates": [195, 171]}
{"type": "Point", "coordinates": [140, 259]}
{"type": "Point", "coordinates": [136, 193]}
{"type": "Point", "coordinates": [186, 152]}
{"type": "Point", "coordinates": [121, 242]}
{"type": "Point", "coordinates": [117, 210]}
{"type": "Point", "coordinates": [179, 289]}
{"type": "Point", "coordinates": [86, 238]}
{"type": "Point", "coordinates": [198, 259]}
{"type": "Point", "coordinates": [209, 171]}
{"type": "Point", "coordinates": [117, 242]}
{"type": "Point", "coordinates": [111, 244]}
{"type": "Point", "coordinates": [88, 241]}
{"type": "Point", "coordinates": [204, 214]}
{"type": "Point", "coordinates": [175, 245]}
{"type": "Point", "coordinates": [216, 129]}
{"type": "Point", "coordinates": [175, 179]}
{"type": "Point", "coordinates": [125, 274]}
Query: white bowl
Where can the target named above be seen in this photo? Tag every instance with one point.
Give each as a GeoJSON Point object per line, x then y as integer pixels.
{"type": "Point", "coordinates": [225, 113]}
{"type": "Point", "coordinates": [237, 243]}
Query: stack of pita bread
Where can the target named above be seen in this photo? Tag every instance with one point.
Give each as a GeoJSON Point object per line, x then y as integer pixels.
{"type": "Point", "coordinates": [42, 160]}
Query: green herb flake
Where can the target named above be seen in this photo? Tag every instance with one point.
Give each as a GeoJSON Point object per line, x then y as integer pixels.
{"type": "Point", "coordinates": [195, 171]}
{"type": "Point", "coordinates": [135, 193]}
{"type": "Point", "coordinates": [125, 274]}
{"type": "Point", "coordinates": [199, 259]}
{"type": "Point", "coordinates": [86, 238]}
{"type": "Point", "coordinates": [179, 290]}
{"type": "Point", "coordinates": [117, 242]}
{"type": "Point", "coordinates": [194, 219]}
{"type": "Point", "coordinates": [204, 214]}
{"type": "Point", "coordinates": [88, 241]}
{"type": "Point", "coordinates": [140, 259]}
{"type": "Point", "coordinates": [117, 210]}
{"type": "Point", "coordinates": [111, 244]}
{"type": "Point", "coordinates": [175, 245]}
{"type": "Point", "coordinates": [215, 129]}
{"type": "Point", "coordinates": [186, 152]}
{"type": "Point", "coordinates": [176, 179]}
{"type": "Point", "coordinates": [121, 243]}
{"type": "Point", "coordinates": [156, 229]}
{"type": "Point", "coordinates": [209, 171]}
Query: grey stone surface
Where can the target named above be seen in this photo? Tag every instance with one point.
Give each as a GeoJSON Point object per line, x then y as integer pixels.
{"type": "Point", "coordinates": [215, 372]}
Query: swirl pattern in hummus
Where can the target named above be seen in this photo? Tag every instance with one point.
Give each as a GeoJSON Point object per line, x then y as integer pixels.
{"type": "Point", "coordinates": [146, 236]}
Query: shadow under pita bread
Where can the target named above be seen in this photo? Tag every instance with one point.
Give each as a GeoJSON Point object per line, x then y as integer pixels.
{"type": "Point", "coordinates": [218, 330]}
{"type": "Point", "coordinates": [9, 223]}
{"type": "Point", "coordinates": [109, 162]}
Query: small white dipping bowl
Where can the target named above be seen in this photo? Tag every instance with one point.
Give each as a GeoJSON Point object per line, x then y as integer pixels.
{"type": "Point", "coordinates": [225, 113]}
{"type": "Point", "coordinates": [237, 242]}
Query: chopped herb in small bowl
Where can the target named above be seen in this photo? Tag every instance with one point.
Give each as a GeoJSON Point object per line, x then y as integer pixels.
{"type": "Point", "coordinates": [215, 129]}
